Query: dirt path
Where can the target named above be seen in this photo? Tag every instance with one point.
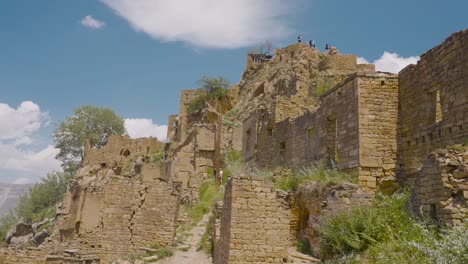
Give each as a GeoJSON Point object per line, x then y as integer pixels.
{"type": "Point", "coordinates": [191, 256]}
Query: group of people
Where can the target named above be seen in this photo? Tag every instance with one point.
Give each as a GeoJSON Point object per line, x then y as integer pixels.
{"type": "Point", "coordinates": [312, 43]}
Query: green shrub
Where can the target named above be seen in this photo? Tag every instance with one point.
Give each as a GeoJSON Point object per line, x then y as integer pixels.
{"type": "Point", "coordinates": [197, 104]}
{"type": "Point", "coordinates": [211, 89]}
{"type": "Point", "coordinates": [303, 246]}
{"type": "Point", "coordinates": [319, 174]}
{"type": "Point", "coordinates": [362, 227]}
{"type": "Point", "coordinates": [208, 193]}
{"type": "Point", "coordinates": [6, 223]}
{"type": "Point", "coordinates": [229, 118]}
{"type": "Point", "coordinates": [41, 199]}
{"type": "Point", "coordinates": [205, 243]}
{"type": "Point", "coordinates": [157, 157]}
{"type": "Point", "coordinates": [160, 251]}
{"type": "Point", "coordinates": [322, 87]}
{"type": "Point", "coordinates": [386, 233]}
{"type": "Point", "coordinates": [232, 164]}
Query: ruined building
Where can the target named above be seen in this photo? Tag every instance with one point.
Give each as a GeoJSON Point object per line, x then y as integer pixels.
{"type": "Point", "coordinates": [300, 108]}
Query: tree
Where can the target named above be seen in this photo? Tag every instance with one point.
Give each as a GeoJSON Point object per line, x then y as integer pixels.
{"type": "Point", "coordinates": [88, 122]}
{"type": "Point", "coordinates": [41, 199]}
{"type": "Point", "coordinates": [213, 89]}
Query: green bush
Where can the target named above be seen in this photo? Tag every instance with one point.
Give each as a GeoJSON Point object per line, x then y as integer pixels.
{"type": "Point", "coordinates": [386, 233]}
{"type": "Point", "coordinates": [232, 164]}
{"type": "Point", "coordinates": [208, 193]}
{"type": "Point", "coordinates": [303, 246]}
{"type": "Point", "coordinates": [160, 251]}
{"type": "Point", "coordinates": [362, 227]}
{"type": "Point", "coordinates": [197, 104]}
{"type": "Point", "coordinates": [205, 243]}
{"type": "Point", "coordinates": [229, 118]}
{"type": "Point", "coordinates": [211, 89]}
{"type": "Point", "coordinates": [322, 87]}
{"type": "Point", "coordinates": [6, 223]}
{"type": "Point", "coordinates": [157, 157]}
{"type": "Point", "coordinates": [319, 174]}
{"type": "Point", "coordinates": [41, 199]}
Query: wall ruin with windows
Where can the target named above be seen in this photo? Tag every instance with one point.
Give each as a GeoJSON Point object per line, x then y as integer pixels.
{"type": "Point", "coordinates": [348, 131]}
{"type": "Point", "coordinates": [433, 100]}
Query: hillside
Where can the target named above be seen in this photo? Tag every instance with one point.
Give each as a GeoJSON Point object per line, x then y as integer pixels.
{"type": "Point", "coordinates": [9, 195]}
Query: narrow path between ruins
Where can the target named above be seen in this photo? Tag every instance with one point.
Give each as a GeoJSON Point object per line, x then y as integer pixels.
{"type": "Point", "coordinates": [191, 256]}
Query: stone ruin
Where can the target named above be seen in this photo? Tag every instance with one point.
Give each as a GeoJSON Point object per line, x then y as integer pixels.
{"type": "Point", "coordinates": [299, 108]}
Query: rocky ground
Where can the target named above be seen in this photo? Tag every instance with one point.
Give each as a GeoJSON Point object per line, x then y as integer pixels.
{"type": "Point", "coordinates": [187, 253]}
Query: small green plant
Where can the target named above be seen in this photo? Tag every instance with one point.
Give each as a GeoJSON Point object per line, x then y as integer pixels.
{"type": "Point", "coordinates": [160, 250]}
{"type": "Point", "coordinates": [229, 118]}
{"type": "Point", "coordinates": [322, 87]}
{"type": "Point", "coordinates": [320, 174]}
{"type": "Point", "coordinates": [303, 246]}
{"type": "Point", "coordinates": [205, 243]}
{"type": "Point", "coordinates": [208, 193]}
{"type": "Point", "coordinates": [157, 157]}
{"type": "Point", "coordinates": [232, 164]}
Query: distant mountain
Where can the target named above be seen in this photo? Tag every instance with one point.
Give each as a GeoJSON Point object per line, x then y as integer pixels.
{"type": "Point", "coordinates": [9, 195]}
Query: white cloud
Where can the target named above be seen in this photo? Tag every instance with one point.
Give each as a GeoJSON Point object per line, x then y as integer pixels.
{"type": "Point", "coordinates": [361, 60]}
{"type": "Point", "coordinates": [23, 180]}
{"type": "Point", "coordinates": [16, 137]}
{"type": "Point", "coordinates": [208, 23]}
{"type": "Point", "coordinates": [20, 122]}
{"type": "Point", "coordinates": [90, 22]}
{"type": "Point", "coordinates": [142, 127]}
{"type": "Point", "coordinates": [390, 62]}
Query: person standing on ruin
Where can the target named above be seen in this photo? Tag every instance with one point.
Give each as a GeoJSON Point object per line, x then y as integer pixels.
{"type": "Point", "coordinates": [299, 38]}
{"type": "Point", "coordinates": [310, 43]}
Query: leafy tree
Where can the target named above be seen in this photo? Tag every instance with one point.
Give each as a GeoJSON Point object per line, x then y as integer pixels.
{"type": "Point", "coordinates": [88, 122]}
{"type": "Point", "coordinates": [213, 89]}
{"type": "Point", "coordinates": [41, 199]}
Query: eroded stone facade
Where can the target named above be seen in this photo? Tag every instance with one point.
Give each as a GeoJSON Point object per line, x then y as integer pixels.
{"type": "Point", "coordinates": [433, 99]}
{"type": "Point", "coordinates": [255, 223]}
{"type": "Point", "coordinates": [354, 128]}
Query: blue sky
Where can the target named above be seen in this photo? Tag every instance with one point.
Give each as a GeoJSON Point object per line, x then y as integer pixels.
{"type": "Point", "coordinates": [135, 55]}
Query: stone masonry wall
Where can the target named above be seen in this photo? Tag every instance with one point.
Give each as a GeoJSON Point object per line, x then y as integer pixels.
{"type": "Point", "coordinates": [433, 99]}
{"type": "Point", "coordinates": [119, 149]}
{"type": "Point", "coordinates": [441, 188]}
{"type": "Point", "coordinates": [314, 201]}
{"type": "Point", "coordinates": [255, 225]}
{"type": "Point", "coordinates": [378, 109]}
{"type": "Point", "coordinates": [348, 129]}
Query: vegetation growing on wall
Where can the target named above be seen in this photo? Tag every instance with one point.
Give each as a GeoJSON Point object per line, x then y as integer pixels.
{"type": "Point", "coordinates": [292, 180]}
{"type": "Point", "coordinates": [87, 123]}
{"type": "Point", "coordinates": [385, 232]}
{"type": "Point", "coordinates": [322, 87]}
{"type": "Point", "coordinates": [42, 198]}
{"type": "Point", "coordinates": [212, 89]}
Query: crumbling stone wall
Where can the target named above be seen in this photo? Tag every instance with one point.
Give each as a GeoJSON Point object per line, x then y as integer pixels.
{"type": "Point", "coordinates": [255, 223]}
{"type": "Point", "coordinates": [119, 215]}
{"type": "Point", "coordinates": [314, 201]}
{"type": "Point", "coordinates": [354, 128]}
{"type": "Point", "coordinates": [112, 208]}
{"type": "Point", "coordinates": [433, 98]}
{"type": "Point", "coordinates": [120, 149]}
{"type": "Point", "coordinates": [441, 187]}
